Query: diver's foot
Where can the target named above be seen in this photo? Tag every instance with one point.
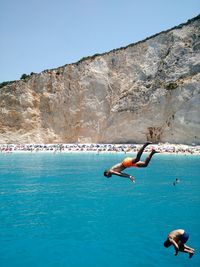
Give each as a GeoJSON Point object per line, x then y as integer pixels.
{"type": "Point", "coordinates": [191, 255]}
{"type": "Point", "coordinates": [176, 252]}
{"type": "Point", "coordinates": [148, 143]}
{"type": "Point", "coordinates": [153, 151]}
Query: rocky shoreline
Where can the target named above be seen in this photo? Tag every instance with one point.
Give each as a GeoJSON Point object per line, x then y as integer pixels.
{"type": "Point", "coordinates": [99, 148]}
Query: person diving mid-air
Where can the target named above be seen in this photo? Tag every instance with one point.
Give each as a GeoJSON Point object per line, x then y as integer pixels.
{"type": "Point", "coordinates": [130, 162]}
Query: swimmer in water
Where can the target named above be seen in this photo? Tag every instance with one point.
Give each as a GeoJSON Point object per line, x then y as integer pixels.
{"type": "Point", "coordinates": [130, 162]}
{"type": "Point", "coordinates": [178, 238]}
{"type": "Point", "coordinates": [176, 181]}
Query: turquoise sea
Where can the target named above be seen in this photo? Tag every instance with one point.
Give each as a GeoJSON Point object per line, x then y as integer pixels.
{"type": "Point", "coordinates": [59, 210]}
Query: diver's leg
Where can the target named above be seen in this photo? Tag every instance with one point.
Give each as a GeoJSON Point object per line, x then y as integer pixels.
{"type": "Point", "coordinates": [147, 160]}
{"type": "Point", "coordinates": [139, 154]}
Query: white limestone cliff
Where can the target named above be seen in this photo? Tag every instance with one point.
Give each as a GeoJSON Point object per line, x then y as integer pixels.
{"type": "Point", "coordinates": [145, 91]}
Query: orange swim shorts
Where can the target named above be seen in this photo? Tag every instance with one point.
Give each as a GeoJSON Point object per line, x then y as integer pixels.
{"type": "Point", "coordinates": [128, 162]}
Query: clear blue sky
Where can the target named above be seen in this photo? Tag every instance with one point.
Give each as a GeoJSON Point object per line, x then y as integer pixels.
{"type": "Point", "coordinates": [45, 34]}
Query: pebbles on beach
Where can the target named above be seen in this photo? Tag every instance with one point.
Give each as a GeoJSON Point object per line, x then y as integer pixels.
{"type": "Point", "coordinates": [97, 148]}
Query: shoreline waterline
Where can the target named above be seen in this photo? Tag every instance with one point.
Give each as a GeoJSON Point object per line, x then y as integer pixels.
{"type": "Point", "coordinates": [163, 148]}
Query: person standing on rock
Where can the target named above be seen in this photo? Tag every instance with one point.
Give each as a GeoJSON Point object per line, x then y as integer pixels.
{"type": "Point", "coordinates": [130, 162]}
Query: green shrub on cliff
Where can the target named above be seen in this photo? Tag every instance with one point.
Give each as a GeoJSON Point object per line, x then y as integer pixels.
{"type": "Point", "coordinates": [24, 76]}
{"type": "Point", "coordinates": [6, 83]}
{"type": "Point", "coordinates": [171, 86]}
{"type": "Point", "coordinates": [89, 57]}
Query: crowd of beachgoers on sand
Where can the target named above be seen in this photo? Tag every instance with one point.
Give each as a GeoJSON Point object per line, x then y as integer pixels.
{"type": "Point", "coordinates": [99, 148]}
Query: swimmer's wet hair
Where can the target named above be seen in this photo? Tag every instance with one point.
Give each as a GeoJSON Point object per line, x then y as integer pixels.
{"type": "Point", "coordinates": [167, 243]}
{"type": "Point", "coordinates": [107, 174]}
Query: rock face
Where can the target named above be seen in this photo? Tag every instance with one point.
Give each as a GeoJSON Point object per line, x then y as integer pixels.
{"type": "Point", "coordinates": [145, 91]}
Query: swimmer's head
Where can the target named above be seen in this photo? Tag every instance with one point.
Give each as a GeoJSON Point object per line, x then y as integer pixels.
{"type": "Point", "coordinates": [107, 173]}
{"type": "Point", "coordinates": [167, 243]}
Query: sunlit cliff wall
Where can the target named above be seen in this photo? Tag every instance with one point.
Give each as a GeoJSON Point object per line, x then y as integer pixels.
{"type": "Point", "coordinates": [145, 91]}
